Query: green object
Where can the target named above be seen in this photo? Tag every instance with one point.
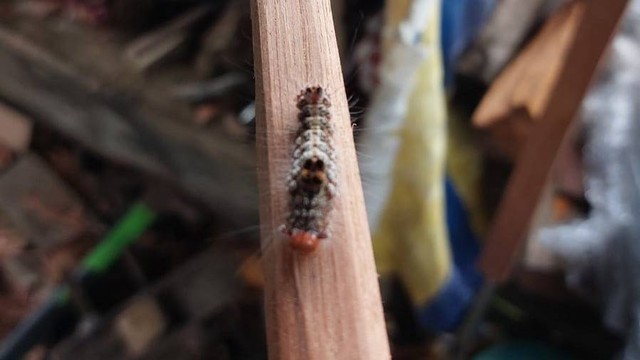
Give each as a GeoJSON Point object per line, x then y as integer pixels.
{"type": "Point", "coordinates": [31, 330]}
{"type": "Point", "coordinates": [132, 225]}
{"type": "Point", "coordinates": [62, 294]}
{"type": "Point", "coordinates": [522, 350]}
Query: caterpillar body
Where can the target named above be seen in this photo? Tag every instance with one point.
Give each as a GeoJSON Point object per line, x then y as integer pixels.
{"type": "Point", "coordinates": [312, 179]}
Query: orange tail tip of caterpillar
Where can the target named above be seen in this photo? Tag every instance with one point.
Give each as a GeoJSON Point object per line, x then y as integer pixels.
{"type": "Point", "coordinates": [304, 241]}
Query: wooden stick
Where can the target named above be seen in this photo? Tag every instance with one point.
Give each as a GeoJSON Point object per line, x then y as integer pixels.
{"type": "Point", "coordinates": [323, 305]}
{"type": "Point", "coordinates": [522, 92]}
{"type": "Point", "coordinates": [599, 22]}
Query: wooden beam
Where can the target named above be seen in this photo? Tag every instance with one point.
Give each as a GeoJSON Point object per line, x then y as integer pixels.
{"type": "Point", "coordinates": [530, 79]}
{"type": "Point", "coordinates": [599, 22]}
{"type": "Point", "coordinates": [323, 305]}
{"type": "Point", "coordinates": [521, 93]}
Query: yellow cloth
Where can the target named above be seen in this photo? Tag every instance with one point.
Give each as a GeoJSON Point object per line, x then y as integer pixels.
{"type": "Point", "coordinates": [411, 238]}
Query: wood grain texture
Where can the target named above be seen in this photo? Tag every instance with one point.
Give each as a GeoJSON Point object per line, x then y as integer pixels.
{"type": "Point", "coordinates": [599, 22]}
{"type": "Point", "coordinates": [325, 305]}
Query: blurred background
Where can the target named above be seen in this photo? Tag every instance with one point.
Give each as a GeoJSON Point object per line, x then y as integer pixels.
{"type": "Point", "coordinates": [129, 199]}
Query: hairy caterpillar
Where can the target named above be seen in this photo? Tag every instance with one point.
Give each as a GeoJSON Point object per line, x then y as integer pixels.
{"type": "Point", "coordinates": [312, 179]}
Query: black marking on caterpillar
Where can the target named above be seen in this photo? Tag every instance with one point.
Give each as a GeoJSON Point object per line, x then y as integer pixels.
{"type": "Point", "coordinates": [312, 179]}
